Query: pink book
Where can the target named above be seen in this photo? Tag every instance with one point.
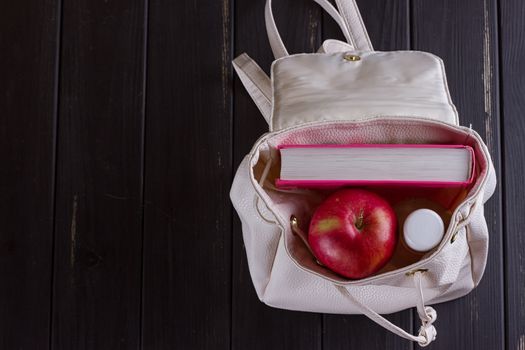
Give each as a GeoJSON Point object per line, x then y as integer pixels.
{"type": "Point", "coordinates": [329, 165]}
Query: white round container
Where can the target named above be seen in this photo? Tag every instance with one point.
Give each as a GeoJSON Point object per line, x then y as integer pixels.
{"type": "Point", "coordinates": [423, 230]}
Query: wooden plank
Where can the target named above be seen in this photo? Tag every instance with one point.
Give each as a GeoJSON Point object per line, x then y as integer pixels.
{"type": "Point", "coordinates": [187, 246]}
{"type": "Point", "coordinates": [255, 325]}
{"type": "Point", "coordinates": [388, 26]}
{"type": "Point", "coordinates": [463, 33]}
{"type": "Point", "coordinates": [28, 72]}
{"type": "Point", "coordinates": [512, 48]}
{"type": "Point", "coordinates": [97, 287]}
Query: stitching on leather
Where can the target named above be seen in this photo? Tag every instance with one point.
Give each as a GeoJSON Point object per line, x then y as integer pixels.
{"type": "Point", "coordinates": [275, 32]}
{"type": "Point", "coordinates": [281, 236]}
{"type": "Point", "coordinates": [468, 228]}
{"type": "Point", "coordinates": [257, 70]}
{"type": "Point", "coordinates": [470, 255]}
{"type": "Point", "coordinates": [445, 84]}
{"type": "Point", "coordinates": [272, 81]}
{"type": "Point", "coordinates": [266, 101]}
{"type": "Point", "coordinates": [360, 20]}
{"type": "Point", "coordinates": [406, 52]}
{"type": "Point", "coordinates": [265, 105]}
{"type": "Point", "coordinates": [260, 89]}
{"type": "Point", "coordinates": [365, 32]}
{"type": "Point", "coordinates": [348, 26]}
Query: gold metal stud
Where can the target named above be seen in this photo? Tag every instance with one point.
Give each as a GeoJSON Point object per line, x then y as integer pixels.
{"type": "Point", "coordinates": [352, 58]}
{"type": "Point", "coordinates": [413, 272]}
{"type": "Point", "coordinates": [296, 230]}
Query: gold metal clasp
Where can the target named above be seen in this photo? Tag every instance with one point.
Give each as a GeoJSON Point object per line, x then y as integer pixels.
{"type": "Point", "coordinates": [413, 272]}
{"type": "Point", "coordinates": [296, 230]}
{"type": "Point", "coordinates": [352, 58]}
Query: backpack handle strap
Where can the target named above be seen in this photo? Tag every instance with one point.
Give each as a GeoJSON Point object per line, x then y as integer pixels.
{"type": "Point", "coordinates": [349, 21]}
{"type": "Point", "coordinates": [354, 22]}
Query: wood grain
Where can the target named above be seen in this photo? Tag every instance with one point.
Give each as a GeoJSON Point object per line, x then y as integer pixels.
{"type": "Point", "coordinates": [187, 228]}
{"type": "Point", "coordinates": [388, 26]}
{"type": "Point", "coordinates": [97, 289]}
{"type": "Point", "coordinates": [29, 39]}
{"type": "Point", "coordinates": [255, 325]}
{"type": "Point", "coordinates": [463, 33]}
{"type": "Point", "coordinates": [512, 48]}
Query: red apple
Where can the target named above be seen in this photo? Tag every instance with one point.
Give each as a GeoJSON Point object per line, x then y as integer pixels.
{"type": "Point", "coordinates": [353, 233]}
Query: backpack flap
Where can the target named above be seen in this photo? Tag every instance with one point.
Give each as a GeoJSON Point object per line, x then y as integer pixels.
{"type": "Point", "coordinates": [359, 84]}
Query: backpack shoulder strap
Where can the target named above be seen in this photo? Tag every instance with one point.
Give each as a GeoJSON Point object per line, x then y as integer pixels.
{"type": "Point", "coordinates": [256, 82]}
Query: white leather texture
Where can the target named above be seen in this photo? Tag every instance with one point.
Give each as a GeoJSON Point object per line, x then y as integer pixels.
{"type": "Point", "coordinates": [256, 82]}
{"type": "Point", "coordinates": [332, 46]}
{"type": "Point", "coordinates": [320, 87]}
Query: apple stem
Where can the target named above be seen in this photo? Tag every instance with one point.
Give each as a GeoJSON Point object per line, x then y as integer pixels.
{"type": "Point", "coordinates": [360, 220]}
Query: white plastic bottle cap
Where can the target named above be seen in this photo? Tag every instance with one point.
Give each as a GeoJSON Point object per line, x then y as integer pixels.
{"type": "Point", "coordinates": [423, 230]}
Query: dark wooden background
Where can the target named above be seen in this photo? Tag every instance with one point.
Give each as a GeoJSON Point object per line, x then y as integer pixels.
{"type": "Point", "coordinates": [121, 126]}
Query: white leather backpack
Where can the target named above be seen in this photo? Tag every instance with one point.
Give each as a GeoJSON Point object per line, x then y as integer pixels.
{"type": "Point", "coordinates": [349, 93]}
